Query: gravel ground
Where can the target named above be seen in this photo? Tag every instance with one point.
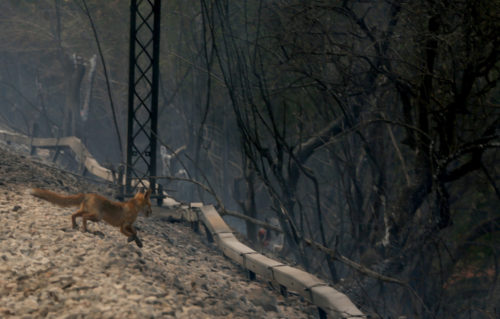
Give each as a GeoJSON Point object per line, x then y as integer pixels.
{"type": "Point", "coordinates": [48, 269]}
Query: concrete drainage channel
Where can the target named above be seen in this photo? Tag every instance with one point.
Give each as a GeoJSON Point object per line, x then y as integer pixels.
{"type": "Point", "coordinates": [330, 302]}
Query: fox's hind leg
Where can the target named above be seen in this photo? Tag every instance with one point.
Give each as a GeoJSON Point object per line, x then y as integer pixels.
{"type": "Point", "coordinates": [78, 213]}
{"type": "Point", "coordinates": [88, 216]}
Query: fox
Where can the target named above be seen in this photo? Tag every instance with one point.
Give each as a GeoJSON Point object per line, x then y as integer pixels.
{"type": "Point", "coordinates": [95, 207]}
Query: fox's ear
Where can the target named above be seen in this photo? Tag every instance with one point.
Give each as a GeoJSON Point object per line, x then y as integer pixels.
{"type": "Point", "coordinates": [148, 192]}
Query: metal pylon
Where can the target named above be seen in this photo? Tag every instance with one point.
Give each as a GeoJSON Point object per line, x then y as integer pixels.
{"type": "Point", "coordinates": [143, 96]}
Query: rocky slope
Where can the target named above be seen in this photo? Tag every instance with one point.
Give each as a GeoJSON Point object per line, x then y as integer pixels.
{"type": "Point", "coordinates": [48, 269]}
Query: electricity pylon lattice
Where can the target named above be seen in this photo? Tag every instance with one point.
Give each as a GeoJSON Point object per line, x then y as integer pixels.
{"type": "Point", "coordinates": [143, 96]}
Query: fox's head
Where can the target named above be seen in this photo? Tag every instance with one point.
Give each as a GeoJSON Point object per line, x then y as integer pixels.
{"type": "Point", "coordinates": [144, 201]}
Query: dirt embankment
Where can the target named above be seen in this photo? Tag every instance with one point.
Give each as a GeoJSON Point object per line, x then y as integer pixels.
{"type": "Point", "coordinates": [48, 269]}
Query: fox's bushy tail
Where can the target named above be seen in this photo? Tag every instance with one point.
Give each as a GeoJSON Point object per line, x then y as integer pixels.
{"type": "Point", "coordinates": [58, 199]}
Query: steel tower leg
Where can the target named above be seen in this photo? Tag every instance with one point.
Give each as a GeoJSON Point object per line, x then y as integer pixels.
{"type": "Point", "coordinates": [143, 96]}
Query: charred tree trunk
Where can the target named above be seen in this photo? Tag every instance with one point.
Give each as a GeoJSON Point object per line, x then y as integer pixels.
{"type": "Point", "coordinates": [75, 70]}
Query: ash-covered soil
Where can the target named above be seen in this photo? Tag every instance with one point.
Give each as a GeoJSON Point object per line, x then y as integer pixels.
{"type": "Point", "coordinates": [48, 269]}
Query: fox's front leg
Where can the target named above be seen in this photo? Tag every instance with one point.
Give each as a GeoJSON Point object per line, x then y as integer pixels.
{"type": "Point", "coordinates": [130, 229]}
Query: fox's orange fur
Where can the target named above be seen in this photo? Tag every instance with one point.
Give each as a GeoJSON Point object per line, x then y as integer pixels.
{"type": "Point", "coordinates": [95, 207]}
